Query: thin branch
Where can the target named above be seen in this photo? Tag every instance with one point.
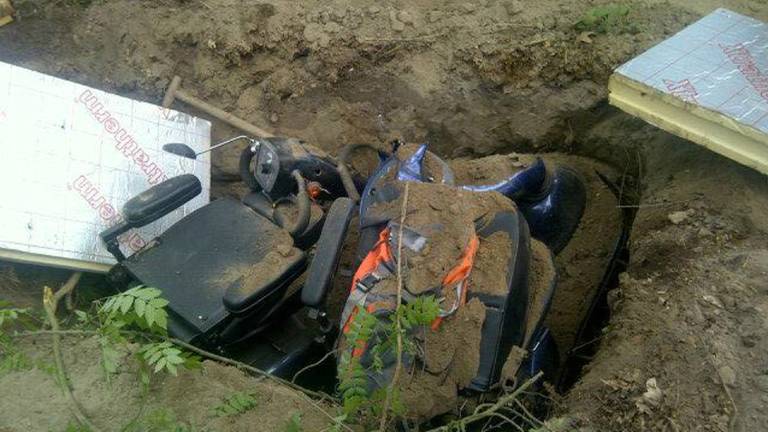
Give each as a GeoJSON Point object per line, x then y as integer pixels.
{"type": "Point", "coordinates": [50, 304]}
{"type": "Point", "coordinates": [492, 411]}
{"type": "Point", "coordinates": [530, 417]}
{"type": "Point", "coordinates": [507, 420]}
{"type": "Point", "coordinates": [315, 364]}
{"type": "Point", "coordinates": [398, 357]}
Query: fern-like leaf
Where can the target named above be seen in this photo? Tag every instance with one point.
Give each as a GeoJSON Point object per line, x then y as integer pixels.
{"type": "Point", "coordinates": [237, 403]}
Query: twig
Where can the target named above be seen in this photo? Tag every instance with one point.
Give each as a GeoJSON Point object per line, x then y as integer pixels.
{"type": "Point", "coordinates": [531, 418]}
{"type": "Point", "coordinates": [658, 204]}
{"type": "Point", "coordinates": [587, 343]}
{"type": "Point", "coordinates": [507, 420]}
{"type": "Point", "coordinates": [308, 367]}
{"type": "Point", "coordinates": [399, 354]}
{"type": "Point", "coordinates": [50, 303]}
{"type": "Point", "coordinates": [492, 411]}
{"type": "Point", "coordinates": [249, 368]}
{"type": "Point", "coordinates": [734, 417]}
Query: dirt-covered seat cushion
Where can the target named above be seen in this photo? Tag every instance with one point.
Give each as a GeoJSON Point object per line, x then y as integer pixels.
{"type": "Point", "coordinates": [207, 265]}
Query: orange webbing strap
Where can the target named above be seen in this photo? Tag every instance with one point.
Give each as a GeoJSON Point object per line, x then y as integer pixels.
{"type": "Point", "coordinates": [460, 273]}
{"type": "Point", "coordinates": [462, 270]}
{"type": "Point", "coordinates": [380, 253]}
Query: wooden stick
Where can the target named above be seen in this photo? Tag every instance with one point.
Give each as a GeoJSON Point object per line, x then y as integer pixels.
{"type": "Point", "coordinates": [50, 303]}
{"type": "Point", "coordinates": [399, 355]}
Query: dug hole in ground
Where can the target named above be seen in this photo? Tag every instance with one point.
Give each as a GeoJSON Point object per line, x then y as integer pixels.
{"type": "Point", "coordinates": [684, 347]}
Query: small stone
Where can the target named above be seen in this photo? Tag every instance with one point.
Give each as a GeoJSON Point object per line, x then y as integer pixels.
{"type": "Point", "coordinates": [373, 10]}
{"type": "Point", "coordinates": [651, 398]}
{"type": "Point", "coordinates": [313, 32]}
{"type": "Point", "coordinates": [397, 25]}
{"type": "Point", "coordinates": [749, 340]}
{"type": "Point", "coordinates": [469, 7]}
{"type": "Point", "coordinates": [405, 17]}
{"type": "Point", "coordinates": [678, 217]}
{"type": "Point", "coordinates": [339, 14]}
{"type": "Point", "coordinates": [714, 301]}
{"type": "Point", "coordinates": [762, 382]}
{"type": "Point", "coordinates": [273, 118]}
{"type": "Point", "coordinates": [332, 27]}
{"type": "Point", "coordinates": [514, 7]}
{"type": "Point", "coordinates": [284, 249]}
{"type": "Point", "coordinates": [727, 376]}
{"type": "Point", "coordinates": [434, 16]}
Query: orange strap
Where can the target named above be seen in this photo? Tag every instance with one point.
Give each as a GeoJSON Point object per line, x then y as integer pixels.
{"type": "Point", "coordinates": [379, 254]}
{"type": "Point", "coordinates": [460, 273]}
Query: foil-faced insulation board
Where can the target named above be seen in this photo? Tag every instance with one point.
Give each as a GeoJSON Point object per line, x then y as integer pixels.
{"type": "Point", "coordinates": [707, 83]}
{"type": "Point", "coordinates": [72, 156]}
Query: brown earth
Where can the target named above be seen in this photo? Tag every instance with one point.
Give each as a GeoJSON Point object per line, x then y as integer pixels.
{"type": "Point", "coordinates": [473, 79]}
{"type": "Point", "coordinates": [34, 402]}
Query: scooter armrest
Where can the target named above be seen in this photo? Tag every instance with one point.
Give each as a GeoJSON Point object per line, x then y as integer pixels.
{"type": "Point", "coordinates": [161, 199]}
{"type": "Point", "coordinates": [327, 253]}
{"type": "Point", "coordinates": [149, 206]}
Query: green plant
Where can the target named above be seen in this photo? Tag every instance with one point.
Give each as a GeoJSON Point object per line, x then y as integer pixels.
{"type": "Point", "coordinates": [353, 382]}
{"type": "Point", "coordinates": [10, 358]}
{"type": "Point", "coordinates": [74, 427]}
{"type": "Point", "coordinates": [605, 19]}
{"type": "Point", "coordinates": [162, 420]}
{"type": "Point", "coordinates": [352, 376]}
{"type": "Point", "coordinates": [141, 308]}
{"type": "Point", "coordinates": [294, 423]}
{"type": "Point", "coordinates": [9, 314]}
{"type": "Point", "coordinates": [165, 355]}
{"type": "Point", "coordinates": [236, 403]}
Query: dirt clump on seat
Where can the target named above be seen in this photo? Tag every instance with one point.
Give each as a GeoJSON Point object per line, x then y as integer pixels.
{"type": "Point", "coordinates": [490, 274]}
{"type": "Point", "coordinates": [581, 265]}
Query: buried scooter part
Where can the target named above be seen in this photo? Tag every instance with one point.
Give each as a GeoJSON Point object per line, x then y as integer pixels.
{"type": "Point", "coordinates": [551, 198]}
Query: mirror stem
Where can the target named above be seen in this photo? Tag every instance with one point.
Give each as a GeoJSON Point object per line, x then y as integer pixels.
{"type": "Point", "coordinates": [223, 143]}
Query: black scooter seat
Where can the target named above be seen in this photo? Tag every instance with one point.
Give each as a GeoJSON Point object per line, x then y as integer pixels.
{"type": "Point", "coordinates": [202, 265]}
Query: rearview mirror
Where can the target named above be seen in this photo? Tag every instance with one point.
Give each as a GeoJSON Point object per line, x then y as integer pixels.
{"type": "Point", "coordinates": [179, 149]}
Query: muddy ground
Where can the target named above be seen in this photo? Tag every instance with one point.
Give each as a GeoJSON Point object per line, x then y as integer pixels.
{"type": "Point", "coordinates": [685, 348]}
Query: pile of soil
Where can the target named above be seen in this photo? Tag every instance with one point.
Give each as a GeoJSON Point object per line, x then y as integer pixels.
{"type": "Point", "coordinates": [39, 404]}
{"type": "Point", "coordinates": [334, 72]}
{"type": "Point", "coordinates": [685, 348]}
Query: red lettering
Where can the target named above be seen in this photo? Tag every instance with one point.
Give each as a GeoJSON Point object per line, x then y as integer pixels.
{"type": "Point", "coordinates": [106, 211]}
{"type": "Point", "coordinates": [112, 125]}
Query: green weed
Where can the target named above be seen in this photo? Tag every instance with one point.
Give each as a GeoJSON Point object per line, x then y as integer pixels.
{"type": "Point", "coordinates": [610, 18]}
